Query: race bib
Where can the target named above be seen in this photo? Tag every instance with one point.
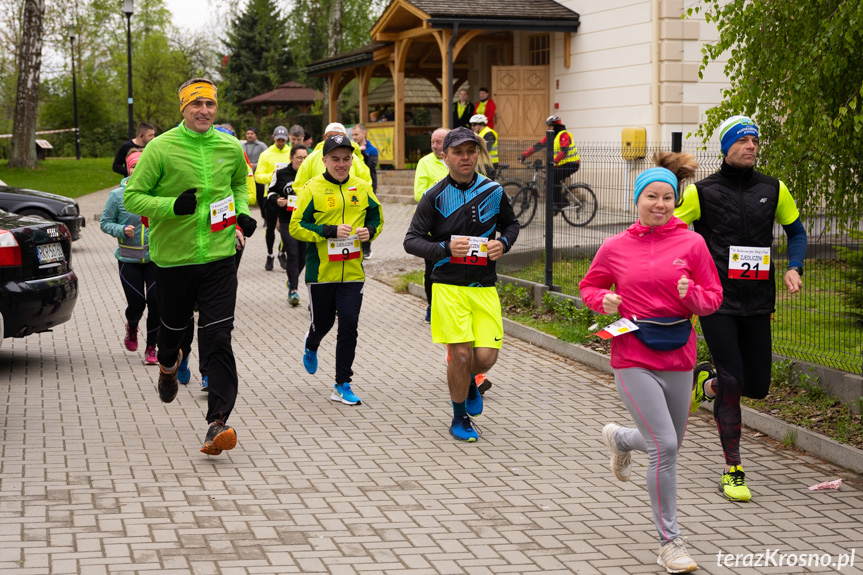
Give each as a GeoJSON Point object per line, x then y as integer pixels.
{"type": "Point", "coordinates": [222, 214]}
{"type": "Point", "coordinates": [340, 250]}
{"type": "Point", "coordinates": [748, 263]}
{"type": "Point", "coordinates": [477, 254]}
{"type": "Point", "coordinates": [617, 328]}
{"type": "Point", "coordinates": [292, 203]}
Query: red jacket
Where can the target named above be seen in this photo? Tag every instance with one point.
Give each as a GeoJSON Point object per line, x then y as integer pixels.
{"type": "Point", "coordinates": [489, 111]}
{"type": "Point", "coordinates": [643, 264]}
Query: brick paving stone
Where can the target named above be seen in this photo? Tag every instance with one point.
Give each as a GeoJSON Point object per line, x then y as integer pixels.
{"type": "Point", "coordinates": [97, 476]}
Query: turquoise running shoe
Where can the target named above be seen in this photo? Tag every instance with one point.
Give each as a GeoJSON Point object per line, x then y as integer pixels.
{"type": "Point", "coordinates": [310, 358]}
{"type": "Point", "coordinates": [342, 392]}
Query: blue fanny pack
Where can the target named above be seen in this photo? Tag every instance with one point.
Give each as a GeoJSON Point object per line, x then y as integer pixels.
{"type": "Point", "coordinates": [663, 333]}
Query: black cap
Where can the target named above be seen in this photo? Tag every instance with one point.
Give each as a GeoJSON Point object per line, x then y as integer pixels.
{"type": "Point", "coordinates": [337, 141]}
{"type": "Point", "coordinates": [459, 136]}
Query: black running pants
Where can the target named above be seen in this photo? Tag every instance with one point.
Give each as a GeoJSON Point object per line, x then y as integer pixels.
{"type": "Point", "coordinates": [325, 300]}
{"type": "Point", "coordinates": [139, 285]}
{"type": "Point", "coordinates": [295, 251]}
{"type": "Point", "coordinates": [213, 286]}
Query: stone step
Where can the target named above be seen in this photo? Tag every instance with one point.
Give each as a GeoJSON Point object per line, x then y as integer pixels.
{"type": "Point", "coordinates": [396, 177]}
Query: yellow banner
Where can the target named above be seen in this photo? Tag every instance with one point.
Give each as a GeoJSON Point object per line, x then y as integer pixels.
{"type": "Point", "coordinates": [381, 138]}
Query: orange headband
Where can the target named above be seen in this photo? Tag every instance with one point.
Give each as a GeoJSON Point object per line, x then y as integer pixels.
{"type": "Point", "coordinates": [195, 91]}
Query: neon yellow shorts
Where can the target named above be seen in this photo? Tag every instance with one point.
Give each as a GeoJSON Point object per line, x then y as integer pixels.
{"type": "Point", "coordinates": [461, 314]}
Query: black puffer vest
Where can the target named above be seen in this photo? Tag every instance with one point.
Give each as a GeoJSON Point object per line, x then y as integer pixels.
{"type": "Point", "coordinates": [738, 207]}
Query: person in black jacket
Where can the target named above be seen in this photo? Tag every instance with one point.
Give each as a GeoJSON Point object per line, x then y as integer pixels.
{"type": "Point", "coordinates": [734, 209]}
{"type": "Point", "coordinates": [146, 132]}
{"type": "Point", "coordinates": [464, 223]}
{"type": "Point", "coordinates": [462, 110]}
{"type": "Point", "coordinates": [282, 200]}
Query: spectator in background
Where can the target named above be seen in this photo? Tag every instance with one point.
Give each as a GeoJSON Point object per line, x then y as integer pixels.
{"type": "Point", "coordinates": [370, 157]}
{"type": "Point", "coordinates": [462, 110]}
{"type": "Point", "coordinates": [146, 132]}
{"type": "Point", "coordinates": [409, 118]}
{"type": "Point", "coordinates": [486, 106]}
{"type": "Point", "coordinates": [253, 147]}
{"type": "Point", "coordinates": [307, 139]}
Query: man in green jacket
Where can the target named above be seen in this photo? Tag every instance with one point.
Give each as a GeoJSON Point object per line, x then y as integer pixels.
{"type": "Point", "coordinates": [191, 183]}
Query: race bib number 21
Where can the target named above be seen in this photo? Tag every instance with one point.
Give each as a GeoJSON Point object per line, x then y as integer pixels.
{"type": "Point", "coordinates": [748, 263]}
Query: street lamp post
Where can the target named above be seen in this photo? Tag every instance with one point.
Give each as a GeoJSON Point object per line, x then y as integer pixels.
{"type": "Point", "coordinates": [129, 9]}
{"type": "Point", "coordinates": [74, 94]}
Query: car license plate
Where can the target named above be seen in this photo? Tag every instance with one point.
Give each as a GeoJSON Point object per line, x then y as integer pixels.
{"type": "Point", "coordinates": [50, 253]}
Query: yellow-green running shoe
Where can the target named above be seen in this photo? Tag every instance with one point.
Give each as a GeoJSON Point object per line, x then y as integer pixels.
{"type": "Point", "coordinates": [702, 372]}
{"type": "Point", "coordinates": [733, 485]}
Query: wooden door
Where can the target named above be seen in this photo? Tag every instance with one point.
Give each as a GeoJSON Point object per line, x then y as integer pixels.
{"type": "Point", "coordinates": [521, 96]}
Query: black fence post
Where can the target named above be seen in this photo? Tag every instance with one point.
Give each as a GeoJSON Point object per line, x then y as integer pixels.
{"type": "Point", "coordinates": [676, 142]}
{"type": "Point", "coordinates": [549, 209]}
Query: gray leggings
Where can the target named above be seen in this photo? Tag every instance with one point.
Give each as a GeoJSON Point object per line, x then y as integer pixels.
{"type": "Point", "coordinates": [659, 404]}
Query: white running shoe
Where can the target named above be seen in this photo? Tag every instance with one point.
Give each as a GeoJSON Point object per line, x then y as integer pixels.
{"type": "Point", "coordinates": [621, 461]}
{"type": "Point", "coordinates": [674, 557]}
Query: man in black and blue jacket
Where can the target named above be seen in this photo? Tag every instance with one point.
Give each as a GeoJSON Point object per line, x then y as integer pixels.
{"type": "Point", "coordinates": [464, 223]}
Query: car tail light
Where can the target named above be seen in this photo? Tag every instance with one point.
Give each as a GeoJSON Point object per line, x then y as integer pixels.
{"type": "Point", "coordinates": [10, 252]}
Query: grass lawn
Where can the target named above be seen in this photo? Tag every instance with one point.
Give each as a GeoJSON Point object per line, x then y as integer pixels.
{"type": "Point", "coordinates": [65, 176]}
{"type": "Point", "coordinates": [812, 326]}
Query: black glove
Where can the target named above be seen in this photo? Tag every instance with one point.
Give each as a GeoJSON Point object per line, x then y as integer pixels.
{"type": "Point", "coordinates": [247, 224]}
{"type": "Point", "coordinates": [186, 203]}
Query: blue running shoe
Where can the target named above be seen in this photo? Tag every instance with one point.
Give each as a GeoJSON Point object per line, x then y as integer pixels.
{"type": "Point", "coordinates": [310, 358]}
{"type": "Point", "coordinates": [462, 429]}
{"type": "Point", "coordinates": [474, 399]}
{"type": "Point", "coordinates": [184, 374]}
{"type": "Point", "coordinates": [342, 392]}
{"type": "Point", "coordinates": [205, 384]}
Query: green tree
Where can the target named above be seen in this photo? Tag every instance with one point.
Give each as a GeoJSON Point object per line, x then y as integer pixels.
{"type": "Point", "coordinates": [256, 46]}
{"type": "Point", "coordinates": [795, 67]}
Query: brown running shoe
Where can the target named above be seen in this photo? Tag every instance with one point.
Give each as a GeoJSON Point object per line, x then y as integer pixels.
{"type": "Point", "coordinates": [168, 383]}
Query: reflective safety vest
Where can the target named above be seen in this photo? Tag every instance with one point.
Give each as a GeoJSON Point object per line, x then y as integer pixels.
{"type": "Point", "coordinates": [492, 150]}
{"type": "Point", "coordinates": [571, 154]}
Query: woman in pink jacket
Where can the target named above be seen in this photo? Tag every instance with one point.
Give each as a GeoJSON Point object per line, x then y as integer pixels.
{"type": "Point", "coordinates": [662, 275]}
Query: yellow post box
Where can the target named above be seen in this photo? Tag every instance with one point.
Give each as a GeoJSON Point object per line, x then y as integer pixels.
{"type": "Point", "coordinates": [633, 144]}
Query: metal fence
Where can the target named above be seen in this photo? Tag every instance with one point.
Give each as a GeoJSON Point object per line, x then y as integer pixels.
{"type": "Point", "coordinates": [815, 326]}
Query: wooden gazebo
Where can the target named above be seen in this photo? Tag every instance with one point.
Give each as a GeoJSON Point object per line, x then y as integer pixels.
{"type": "Point", "coordinates": [428, 39]}
{"type": "Point", "coordinates": [284, 97]}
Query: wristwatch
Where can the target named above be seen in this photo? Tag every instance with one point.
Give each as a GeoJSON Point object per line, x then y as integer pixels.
{"type": "Point", "coordinates": [797, 269]}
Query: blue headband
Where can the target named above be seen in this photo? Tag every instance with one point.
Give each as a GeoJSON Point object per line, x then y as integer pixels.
{"type": "Point", "coordinates": [655, 175]}
{"type": "Point", "coordinates": [733, 129]}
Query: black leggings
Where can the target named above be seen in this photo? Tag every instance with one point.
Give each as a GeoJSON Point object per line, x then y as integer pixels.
{"type": "Point", "coordinates": [561, 173]}
{"type": "Point", "coordinates": [213, 286]}
{"type": "Point", "coordinates": [271, 216]}
{"type": "Point", "coordinates": [742, 354]}
{"type": "Point", "coordinates": [295, 250]}
{"type": "Point", "coordinates": [139, 285]}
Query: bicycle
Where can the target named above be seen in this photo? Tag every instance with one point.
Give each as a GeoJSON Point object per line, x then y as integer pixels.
{"type": "Point", "coordinates": [578, 200]}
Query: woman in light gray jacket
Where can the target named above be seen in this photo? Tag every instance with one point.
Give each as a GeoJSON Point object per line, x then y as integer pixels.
{"type": "Point", "coordinates": [137, 272]}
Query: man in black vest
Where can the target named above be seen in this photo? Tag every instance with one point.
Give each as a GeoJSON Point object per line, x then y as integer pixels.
{"type": "Point", "coordinates": [734, 209]}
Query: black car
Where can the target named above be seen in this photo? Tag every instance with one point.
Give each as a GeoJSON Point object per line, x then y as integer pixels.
{"type": "Point", "coordinates": [38, 288]}
{"type": "Point", "coordinates": [44, 205]}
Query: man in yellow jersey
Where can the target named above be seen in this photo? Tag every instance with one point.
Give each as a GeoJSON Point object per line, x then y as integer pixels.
{"type": "Point", "coordinates": [336, 212]}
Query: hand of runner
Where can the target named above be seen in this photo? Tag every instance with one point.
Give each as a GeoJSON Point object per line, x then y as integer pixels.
{"type": "Point", "coordinates": [344, 231]}
{"type": "Point", "coordinates": [611, 302]}
{"type": "Point", "coordinates": [282, 202]}
{"type": "Point", "coordinates": [682, 286]}
{"type": "Point", "coordinates": [495, 249]}
{"type": "Point", "coordinates": [793, 281]}
{"type": "Point", "coordinates": [241, 239]}
{"type": "Point", "coordinates": [363, 234]}
{"type": "Point", "coordinates": [459, 247]}
{"type": "Point", "coordinates": [129, 231]}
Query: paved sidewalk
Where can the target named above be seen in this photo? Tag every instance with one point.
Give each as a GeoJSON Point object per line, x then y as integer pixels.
{"type": "Point", "coordinates": [97, 476]}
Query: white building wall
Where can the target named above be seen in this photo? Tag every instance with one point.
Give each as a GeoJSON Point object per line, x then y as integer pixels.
{"type": "Point", "coordinates": [608, 85]}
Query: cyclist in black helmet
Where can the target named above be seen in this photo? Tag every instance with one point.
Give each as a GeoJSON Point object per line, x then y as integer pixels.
{"type": "Point", "coordinates": [566, 160]}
